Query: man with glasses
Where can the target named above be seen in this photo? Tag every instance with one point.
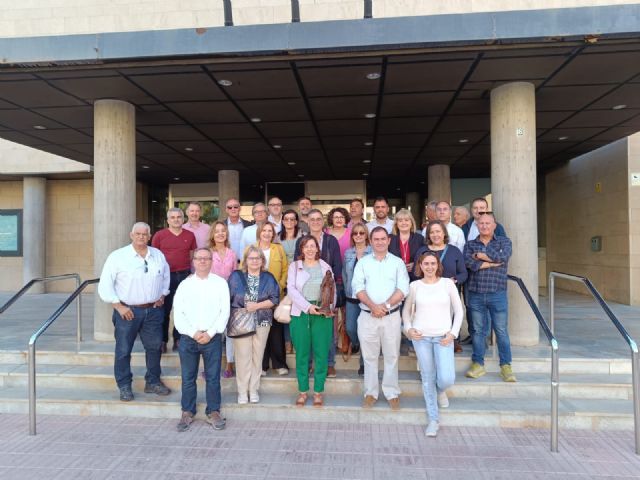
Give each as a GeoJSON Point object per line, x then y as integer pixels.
{"type": "Point", "coordinates": [176, 244]}
{"type": "Point", "coordinates": [236, 226]}
{"type": "Point", "coordinates": [275, 213]}
{"type": "Point", "coordinates": [135, 280]}
{"type": "Point", "coordinates": [201, 311]}
{"type": "Point", "coordinates": [195, 226]}
{"type": "Point", "coordinates": [259, 212]}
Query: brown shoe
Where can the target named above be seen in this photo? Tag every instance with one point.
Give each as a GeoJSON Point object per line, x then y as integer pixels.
{"type": "Point", "coordinates": [457, 348]}
{"type": "Point", "coordinates": [317, 400]}
{"type": "Point", "coordinates": [163, 347]}
{"type": "Point", "coordinates": [369, 401]}
{"type": "Point", "coordinates": [302, 399]}
{"type": "Point", "coordinates": [394, 403]}
{"type": "Point", "coordinates": [288, 347]}
{"type": "Point", "coordinates": [331, 372]}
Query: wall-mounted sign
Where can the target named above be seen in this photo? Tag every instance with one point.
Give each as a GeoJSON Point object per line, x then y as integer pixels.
{"type": "Point", "coordinates": [635, 179]}
{"type": "Point", "coordinates": [10, 233]}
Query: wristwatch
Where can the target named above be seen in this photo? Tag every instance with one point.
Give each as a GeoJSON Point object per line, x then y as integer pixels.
{"type": "Point", "coordinates": [388, 306]}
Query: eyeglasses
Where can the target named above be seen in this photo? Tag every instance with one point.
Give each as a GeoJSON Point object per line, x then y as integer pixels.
{"type": "Point", "coordinates": [358, 233]}
{"type": "Point", "coordinates": [338, 217]}
{"type": "Point", "coordinates": [259, 211]}
{"type": "Point", "coordinates": [275, 204]}
{"type": "Point", "coordinates": [202, 259]}
{"type": "Point", "coordinates": [146, 265]}
{"type": "Point", "coordinates": [254, 259]}
{"type": "Point", "coordinates": [315, 219]}
{"type": "Point", "coordinates": [288, 219]}
{"type": "Point", "coordinates": [488, 212]}
{"type": "Point", "coordinates": [233, 207]}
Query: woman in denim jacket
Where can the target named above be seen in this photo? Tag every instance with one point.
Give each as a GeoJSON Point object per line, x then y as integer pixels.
{"type": "Point", "coordinates": [258, 291]}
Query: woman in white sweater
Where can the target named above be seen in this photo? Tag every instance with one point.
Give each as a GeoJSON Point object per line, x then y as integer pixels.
{"type": "Point", "coordinates": [427, 318]}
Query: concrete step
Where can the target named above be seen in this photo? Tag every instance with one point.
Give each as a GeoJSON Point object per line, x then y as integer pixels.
{"type": "Point", "coordinates": [520, 364]}
{"type": "Point", "coordinates": [534, 385]}
{"type": "Point", "coordinates": [508, 412]}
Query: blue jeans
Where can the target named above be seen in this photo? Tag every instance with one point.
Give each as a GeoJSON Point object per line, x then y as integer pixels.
{"type": "Point", "coordinates": [481, 306]}
{"type": "Point", "coordinates": [437, 370]}
{"type": "Point", "coordinates": [351, 324]}
{"type": "Point", "coordinates": [190, 352]}
{"type": "Point", "coordinates": [148, 323]}
{"type": "Point", "coordinates": [174, 280]}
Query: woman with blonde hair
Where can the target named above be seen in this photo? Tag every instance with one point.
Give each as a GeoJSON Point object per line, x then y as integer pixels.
{"type": "Point", "coordinates": [257, 291]}
{"type": "Point", "coordinates": [405, 241]}
{"type": "Point", "coordinates": [224, 261]}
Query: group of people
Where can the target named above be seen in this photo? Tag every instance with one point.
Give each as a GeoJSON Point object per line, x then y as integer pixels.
{"type": "Point", "coordinates": [385, 277]}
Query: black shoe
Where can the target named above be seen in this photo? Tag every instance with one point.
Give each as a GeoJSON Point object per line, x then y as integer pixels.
{"type": "Point", "coordinates": [355, 349]}
{"type": "Point", "coordinates": [176, 344]}
{"type": "Point", "coordinates": [158, 389]}
{"type": "Point", "coordinates": [126, 395]}
{"type": "Point", "coordinates": [361, 371]}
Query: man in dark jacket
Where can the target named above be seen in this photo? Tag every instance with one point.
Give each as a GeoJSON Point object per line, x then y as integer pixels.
{"type": "Point", "coordinates": [478, 206]}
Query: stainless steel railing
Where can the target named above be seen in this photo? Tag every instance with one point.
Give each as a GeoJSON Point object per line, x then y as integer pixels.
{"type": "Point", "coordinates": [32, 349]}
{"type": "Point", "coordinates": [635, 357]}
{"type": "Point", "coordinates": [555, 367]}
{"type": "Point", "coordinates": [51, 278]}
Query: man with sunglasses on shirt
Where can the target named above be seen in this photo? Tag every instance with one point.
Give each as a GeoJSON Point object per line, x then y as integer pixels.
{"type": "Point", "coordinates": [236, 226]}
{"type": "Point", "coordinates": [135, 280]}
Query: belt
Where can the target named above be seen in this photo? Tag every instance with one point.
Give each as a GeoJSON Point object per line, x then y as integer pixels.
{"type": "Point", "coordinates": [142, 305]}
{"type": "Point", "coordinates": [393, 310]}
{"type": "Point", "coordinates": [181, 271]}
{"type": "Point", "coordinates": [353, 300]}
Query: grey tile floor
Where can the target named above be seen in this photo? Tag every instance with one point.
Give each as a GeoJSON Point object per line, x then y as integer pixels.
{"type": "Point", "coordinates": [69, 447]}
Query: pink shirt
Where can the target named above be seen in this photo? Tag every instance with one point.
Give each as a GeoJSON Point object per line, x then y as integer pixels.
{"type": "Point", "coordinates": [224, 266]}
{"type": "Point", "coordinates": [344, 242]}
{"type": "Point", "coordinates": [201, 232]}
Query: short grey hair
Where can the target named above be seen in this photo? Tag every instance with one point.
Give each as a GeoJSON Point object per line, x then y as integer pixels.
{"type": "Point", "coordinates": [141, 224]}
{"type": "Point", "coordinates": [175, 210]}
{"type": "Point", "coordinates": [259, 204]}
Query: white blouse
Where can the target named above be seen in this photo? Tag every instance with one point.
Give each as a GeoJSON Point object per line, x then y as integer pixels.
{"type": "Point", "coordinates": [429, 308]}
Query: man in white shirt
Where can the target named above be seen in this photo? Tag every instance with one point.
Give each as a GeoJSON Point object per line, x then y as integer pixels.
{"type": "Point", "coordinates": [236, 226]}
{"type": "Point", "coordinates": [380, 282]}
{"type": "Point", "coordinates": [201, 312]}
{"type": "Point", "coordinates": [381, 212]}
{"type": "Point", "coordinates": [135, 280]}
{"type": "Point", "coordinates": [275, 213]}
{"type": "Point", "coordinates": [195, 226]}
{"type": "Point", "coordinates": [259, 212]}
{"type": "Point", "coordinates": [456, 235]}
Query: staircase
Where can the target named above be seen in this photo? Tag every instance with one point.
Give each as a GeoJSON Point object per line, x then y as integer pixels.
{"type": "Point", "coordinates": [595, 393]}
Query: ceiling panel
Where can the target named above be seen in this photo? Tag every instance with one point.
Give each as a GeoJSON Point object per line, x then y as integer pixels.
{"type": "Point", "coordinates": [343, 107]}
{"type": "Point", "coordinates": [180, 87]}
{"type": "Point", "coordinates": [415, 104]}
{"type": "Point", "coordinates": [599, 68]}
{"type": "Point", "coordinates": [91, 89]}
{"type": "Point", "coordinates": [260, 84]}
{"type": "Point", "coordinates": [340, 81]}
{"type": "Point", "coordinates": [31, 94]}
{"type": "Point", "coordinates": [524, 68]}
{"type": "Point", "coordinates": [425, 77]}
{"type": "Point", "coordinates": [207, 112]}
{"type": "Point", "coordinates": [275, 110]}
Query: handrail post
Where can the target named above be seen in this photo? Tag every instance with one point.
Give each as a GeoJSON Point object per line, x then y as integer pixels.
{"type": "Point", "coordinates": [635, 372]}
{"type": "Point", "coordinates": [79, 314]}
{"type": "Point", "coordinates": [555, 384]}
{"type": "Point", "coordinates": [32, 387]}
{"type": "Point", "coordinates": [552, 302]}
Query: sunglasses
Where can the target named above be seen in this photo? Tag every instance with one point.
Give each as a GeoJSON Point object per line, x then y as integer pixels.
{"type": "Point", "coordinates": [233, 207]}
{"type": "Point", "coordinates": [358, 233]}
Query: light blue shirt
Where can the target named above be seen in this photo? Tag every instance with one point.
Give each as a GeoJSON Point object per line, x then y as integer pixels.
{"type": "Point", "coordinates": [380, 278]}
{"type": "Point", "coordinates": [235, 237]}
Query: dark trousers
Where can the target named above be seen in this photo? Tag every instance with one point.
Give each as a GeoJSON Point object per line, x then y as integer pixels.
{"type": "Point", "coordinates": [147, 322]}
{"type": "Point", "coordinates": [190, 352]}
{"type": "Point", "coordinates": [274, 350]}
{"type": "Point", "coordinates": [176, 279]}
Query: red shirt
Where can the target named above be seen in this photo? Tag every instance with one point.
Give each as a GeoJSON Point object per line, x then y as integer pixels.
{"type": "Point", "coordinates": [176, 248]}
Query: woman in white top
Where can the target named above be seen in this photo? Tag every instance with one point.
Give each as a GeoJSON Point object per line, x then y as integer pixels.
{"type": "Point", "coordinates": [427, 322]}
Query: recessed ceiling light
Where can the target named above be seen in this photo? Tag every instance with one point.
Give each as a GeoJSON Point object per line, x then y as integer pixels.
{"type": "Point", "coordinates": [373, 76]}
{"type": "Point", "coordinates": [176, 178]}
{"type": "Point", "coordinates": [188, 149]}
{"type": "Point", "coordinates": [463, 140]}
{"type": "Point", "coordinates": [154, 201]}
{"type": "Point", "coordinates": [618, 107]}
{"type": "Point", "coordinates": [256, 120]}
{"type": "Point", "coordinates": [369, 115]}
{"type": "Point", "coordinates": [398, 188]}
{"type": "Point", "coordinates": [225, 83]}
{"type": "Point", "coordinates": [368, 144]}
{"type": "Point", "coordinates": [300, 175]}
{"type": "Point", "coordinates": [145, 166]}
{"type": "Point", "coordinates": [563, 138]}
{"type": "Point", "coordinates": [365, 174]}
{"type": "Point", "coordinates": [277, 146]}
{"type": "Point", "coordinates": [421, 183]}
{"type": "Point", "coordinates": [366, 161]}
{"type": "Point", "coordinates": [291, 163]}
{"type": "Point", "coordinates": [39, 127]}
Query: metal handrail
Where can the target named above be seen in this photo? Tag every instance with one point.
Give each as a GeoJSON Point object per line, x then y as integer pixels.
{"type": "Point", "coordinates": [635, 356]}
{"type": "Point", "coordinates": [555, 367]}
{"type": "Point", "coordinates": [32, 350]}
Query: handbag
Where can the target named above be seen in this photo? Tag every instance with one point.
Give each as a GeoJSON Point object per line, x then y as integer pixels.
{"type": "Point", "coordinates": [282, 313]}
{"type": "Point", "coordinates": [241, 323]}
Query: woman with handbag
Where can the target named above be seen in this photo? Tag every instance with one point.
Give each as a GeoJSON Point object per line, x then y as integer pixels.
{"type": "Point", "coordinates": [427, 322]}
{"type": "Point", "coordinates": [223, 262]}
{"type": "Point", "coordinates": [276, 264]}
{"type": "Point", "coordinates": [311, 323]}
{"type": "Point", "coordinates": [254, 292]}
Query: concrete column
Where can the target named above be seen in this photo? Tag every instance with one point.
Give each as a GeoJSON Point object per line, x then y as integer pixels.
{"type": "Point", "coordinates": [114, 194]}
{"type": "Point", "coordinates": [513, 188]}
{"type": "Point", "coordinates": [228, 187]}
{"type": "Point", "coordinates": [34, 192]}
{"type": "Point", "coordinates": [439, 183]}
{"type": "Point", "coordinates": [412, 201]}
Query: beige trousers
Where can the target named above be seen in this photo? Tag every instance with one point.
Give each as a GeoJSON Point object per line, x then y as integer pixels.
{"type": "Point", "coordinates": [248, 356]}
{"type": "Point", "coordinates": [375, 334]}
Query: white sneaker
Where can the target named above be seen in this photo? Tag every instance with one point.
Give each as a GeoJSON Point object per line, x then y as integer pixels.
{"type": "Point", "coordinates": [254, 397]}
{"type": "Point", "coordinates": [432, 429]}
{"type": "Point", "coordinates": [443, 400]}
{"type": "Point", "coordinates": [264, 373]}
{"type": "Point", "coordinates": [283, 371]}
{"type": "Point", "coordinates": [242, 399]}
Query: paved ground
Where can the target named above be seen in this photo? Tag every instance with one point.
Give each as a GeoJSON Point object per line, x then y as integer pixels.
{"type": "Point", "coordinates": [90, 448]}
